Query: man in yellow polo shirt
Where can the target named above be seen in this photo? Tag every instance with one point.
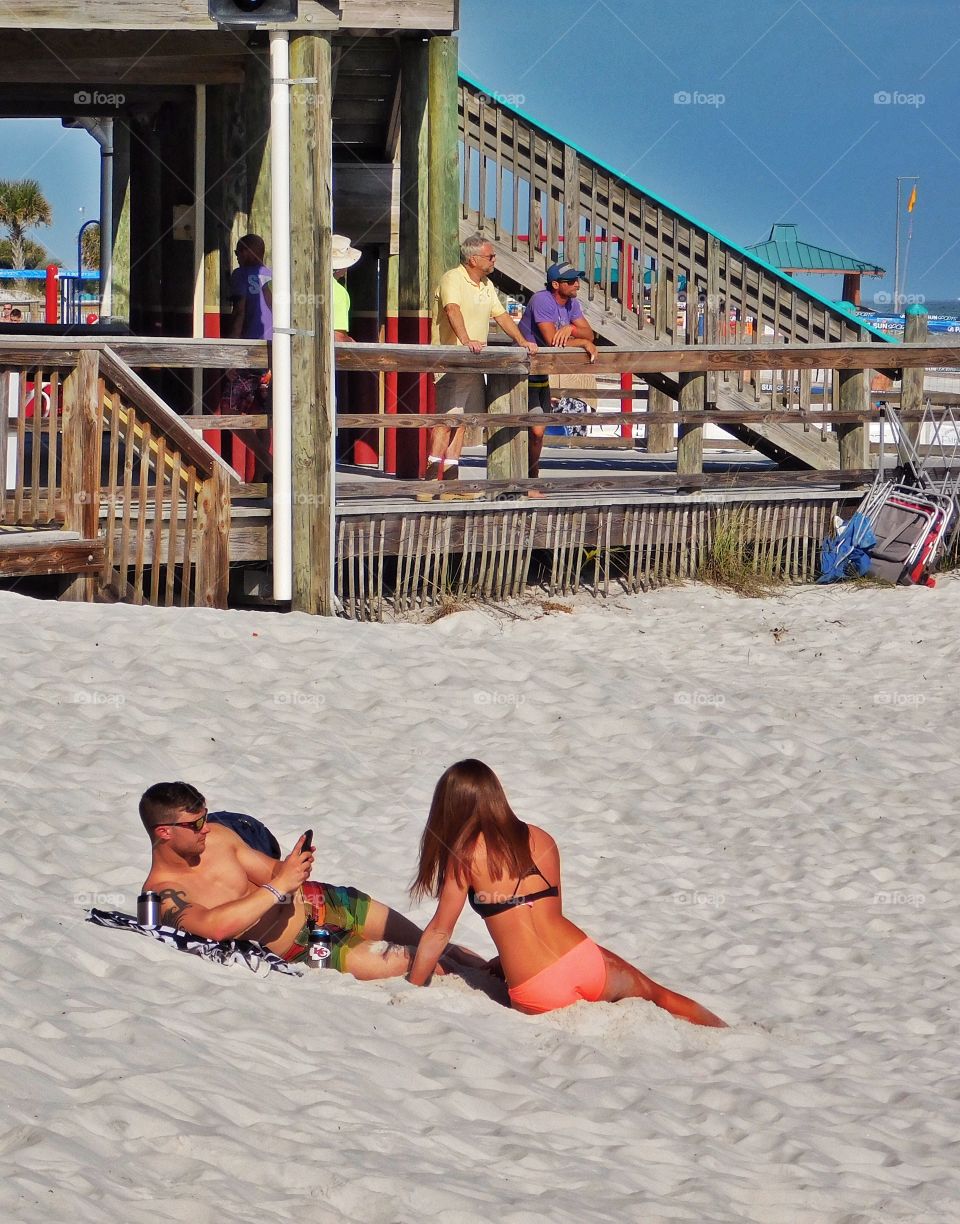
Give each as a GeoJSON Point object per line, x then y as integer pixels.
{"type": "Point", "coordinates": [466, 302]}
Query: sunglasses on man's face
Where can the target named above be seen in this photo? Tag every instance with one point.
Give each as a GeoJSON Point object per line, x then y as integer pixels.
{"type": "Point", "coordinates": [195, 825]}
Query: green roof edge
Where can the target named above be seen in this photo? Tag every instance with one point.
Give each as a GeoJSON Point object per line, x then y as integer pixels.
{"type": "Point", "coordinates": [778, 272]}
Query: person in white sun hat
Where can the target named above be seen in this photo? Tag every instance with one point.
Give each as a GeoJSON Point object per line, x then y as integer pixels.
{"type": "Point", "coordinates": [344, 257]}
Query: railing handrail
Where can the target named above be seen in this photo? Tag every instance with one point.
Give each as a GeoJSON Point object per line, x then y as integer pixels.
{"type": "Point", "coordinates": [504, 359]}
{"type": "Point", "coordinates": [140, 352]}
{"type": "Point", "coordinates": [171, 426]}
{"type": "Point", "coordinates": [741, 252]}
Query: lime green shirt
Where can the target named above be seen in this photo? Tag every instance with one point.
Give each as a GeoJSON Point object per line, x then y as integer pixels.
{"type": "Point", "coordinates": [341, 306]}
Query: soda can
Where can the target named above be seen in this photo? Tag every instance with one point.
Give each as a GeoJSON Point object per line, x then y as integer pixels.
{"type": "Point", "coordinates": [320, 947]}
{"type": "Point", "coordinates": [148, 909]}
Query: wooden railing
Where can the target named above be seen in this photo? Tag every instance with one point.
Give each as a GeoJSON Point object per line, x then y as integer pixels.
{"type": "Point", "coordinates": [845, 408]}
{"type": "Point", "coordinates": [90, 448]}
{"type": "Point", "coordinates": [542, 200]}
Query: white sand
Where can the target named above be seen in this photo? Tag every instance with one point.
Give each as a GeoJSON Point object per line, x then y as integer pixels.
{"type": "Point", "coordinates": [755, 801]}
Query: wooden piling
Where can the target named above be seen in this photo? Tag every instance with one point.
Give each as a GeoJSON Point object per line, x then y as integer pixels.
{"type": "Point", "coordinates": [443, 171]}
{"type": "Point", "coordinates": [852, 396]}
{"type": "Point", "coordinates": [311, 215]}
{"type": "Point", "coordinates": [693, 390]}
{"type": "Point", "coordinates": [915, 331]}
{"type": "Point", "coordinates": [413, 288]}
{"type": "Point", "coordinates": [507, 448]}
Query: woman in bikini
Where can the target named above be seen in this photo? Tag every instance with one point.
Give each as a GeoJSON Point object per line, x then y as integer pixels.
{"type": "Point", "coordinates": [475, 849]}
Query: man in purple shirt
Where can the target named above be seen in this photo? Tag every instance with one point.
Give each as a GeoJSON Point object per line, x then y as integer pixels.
{"type": "Point", "coordinates": [553, 319]}
{"type": "Point", "coordinates": [250, 292]}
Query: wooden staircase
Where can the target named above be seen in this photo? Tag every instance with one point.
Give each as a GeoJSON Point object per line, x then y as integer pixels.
{"type": "Point", "coordinates": [104, 483]}
{"type": "Point", "coordinates": [540, 199]}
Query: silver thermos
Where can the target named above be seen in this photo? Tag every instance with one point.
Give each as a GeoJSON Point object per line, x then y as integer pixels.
{"type": "Point", "coordinates": [148, 909]}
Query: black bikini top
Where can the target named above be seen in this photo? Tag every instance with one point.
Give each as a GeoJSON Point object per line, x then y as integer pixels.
{"type": "Point", "coordinates": [490, 909]}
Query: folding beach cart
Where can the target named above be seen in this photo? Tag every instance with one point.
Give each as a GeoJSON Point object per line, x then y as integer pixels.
{"type": "Point", "coordinates": [914, 512]}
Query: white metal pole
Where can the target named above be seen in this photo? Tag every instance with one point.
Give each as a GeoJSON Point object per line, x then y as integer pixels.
{"type": "Point", "coordinates": [896, 258]}
{"type": "Point", "coordinates": [280, 260]}
{"type": "Point", "coordinates": [199, 231]}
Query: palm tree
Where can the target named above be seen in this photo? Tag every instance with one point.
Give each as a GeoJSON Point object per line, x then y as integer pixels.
{"type": "Point", "coordinates": [35, 255]}
{"type": "Point", "coordinates": [90, 246]}
{"type": "Point", "coordinates": [23, 206]}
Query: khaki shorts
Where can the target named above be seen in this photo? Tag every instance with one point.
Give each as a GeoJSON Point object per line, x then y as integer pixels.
{"type": "Point", "coordinates": [461, 392]}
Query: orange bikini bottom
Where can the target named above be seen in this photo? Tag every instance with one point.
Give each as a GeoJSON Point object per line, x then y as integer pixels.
{"type": "Point", "coordinates": [579, 975]}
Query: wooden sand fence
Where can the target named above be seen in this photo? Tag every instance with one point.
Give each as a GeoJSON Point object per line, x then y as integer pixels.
{"type": "Point", "coordinates": [612, 532]}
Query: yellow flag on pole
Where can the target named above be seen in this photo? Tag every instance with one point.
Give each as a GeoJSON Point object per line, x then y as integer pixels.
{"type": "Point", "coordinates": [912, 202]}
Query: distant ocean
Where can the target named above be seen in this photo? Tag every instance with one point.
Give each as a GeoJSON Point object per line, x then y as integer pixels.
{"type": "Point", "coordinates": [949, 308]}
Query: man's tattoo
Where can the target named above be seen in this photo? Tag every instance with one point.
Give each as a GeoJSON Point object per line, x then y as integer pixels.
{"type": "Point", "coordinates": [172, 905]}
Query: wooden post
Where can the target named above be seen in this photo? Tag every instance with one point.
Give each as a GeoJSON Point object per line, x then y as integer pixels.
{"type": "Point", "coordinates": [256, 106]}
{"type": "Point", "coordinates": [571, 211]}
{"type": "Point", "coordinates": [507, 457]}
{"type": "Point", "coordinates": [915, 331]}
{"type": "Point", "coordinates": [693, 391]}
{"type": "Point", "coordinates": [443, 170]}
{"type": "Point", "coordinates": [213, 540]}
{"type": "Point", "coordinates": [852, 396]}
{"type": "Point", "coordinates": [81, 462]}
{"type": "Point", "coordinates": [660, 437]}
{"type": "Point", "coordinates": [413, 289]}
{"type": "Point", "coordinates": [233, 174]}
{"type": "Point", "coordinates": [311, 216]}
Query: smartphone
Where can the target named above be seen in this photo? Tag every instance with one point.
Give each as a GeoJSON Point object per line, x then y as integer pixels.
{"type": "Point", "coordinates": [308, 840]}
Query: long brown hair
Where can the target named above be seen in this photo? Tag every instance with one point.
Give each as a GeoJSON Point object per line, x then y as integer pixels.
{"type": "Point", "coordinates": [469, 801]}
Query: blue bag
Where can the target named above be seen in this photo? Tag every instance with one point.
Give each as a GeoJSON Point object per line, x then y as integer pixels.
{"type": "Point", "coordinates": [254, 832]}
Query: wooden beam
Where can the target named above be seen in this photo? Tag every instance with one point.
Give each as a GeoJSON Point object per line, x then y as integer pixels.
{"type": "Point", "coordinates": [610, 360]}
{"type": "Point", "coordinates": [161, 15]}
{"type": "Point", "coordinates": [37, 556]}
{"type": "Point", "coordinates": [636, 482]}
{"type": "Point", "coordinates": [311, 219]}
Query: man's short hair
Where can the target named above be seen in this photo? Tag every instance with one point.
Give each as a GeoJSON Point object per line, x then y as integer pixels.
{"type": "Point", "coordinates": [165, 799]}
{"type": "Point", "coordinates": [16, 313]}
{"type": "Point", "coordinates": [254, 244]}
{"type": "Point", "coordinates": [472, 246]}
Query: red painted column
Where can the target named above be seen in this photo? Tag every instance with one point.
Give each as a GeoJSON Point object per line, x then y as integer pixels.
{"type": "Point", "coordinates": [391, 336]}
{"type": "Point", "coordinates": [414, 394]}
{"type": "Point", "coordinates": [211, 328]}
{"type": "Point", "coordinates": [51, 312]}
{"type": "Point", "coordinates": [364, 391]}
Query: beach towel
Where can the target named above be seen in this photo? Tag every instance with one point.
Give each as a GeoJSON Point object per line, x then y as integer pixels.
{"type": "Point", "coordinates": [230, 952]}
{"type": "Point", "coordinates": [847, 555]}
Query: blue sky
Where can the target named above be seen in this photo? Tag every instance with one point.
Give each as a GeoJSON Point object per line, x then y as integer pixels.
{"type": "Point", "coordinates": [798, 135]}
{"type": "Point", "coordinates": [66, 162]}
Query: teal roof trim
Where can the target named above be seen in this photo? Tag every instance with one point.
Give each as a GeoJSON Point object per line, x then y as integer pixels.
{"type": "Point", "coordinates": [778, 272]}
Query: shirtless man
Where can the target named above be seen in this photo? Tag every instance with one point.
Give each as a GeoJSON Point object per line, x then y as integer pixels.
{"type": "Point", "coordinates": [212, 884]}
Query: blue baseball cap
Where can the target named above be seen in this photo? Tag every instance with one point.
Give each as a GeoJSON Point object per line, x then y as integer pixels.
{"type": "Point", "coordinates": [563, 272]}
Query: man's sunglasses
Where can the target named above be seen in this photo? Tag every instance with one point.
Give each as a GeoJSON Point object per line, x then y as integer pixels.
{"type": "Point", "coordinates": [196, 825]}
